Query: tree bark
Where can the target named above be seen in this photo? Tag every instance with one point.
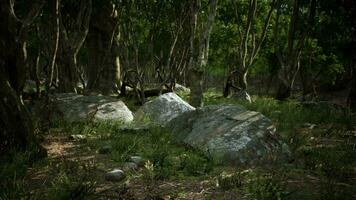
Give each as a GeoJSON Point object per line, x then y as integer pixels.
{"type": "Point", "coordinates": [199, 53]}
{"type": "Point", "coordinates": [351, 7]}
{"type": "Point", "coordinates": [196, 88]}
{"type": "Point", "coordinates": [16, 129]}
{"type": "Point", "coordinates": [15, 124]}
{"type": "Point", "coordinates": [14, 35]}
{"type": "Point", "coordinates": [103, 70]}
{"type": "Point", "coordinates": [55, 19]}
{"type": "Point", "coordinates": [290, 60]}
{"type": "Point", "coordinates": [71, 40]}
{"type": "Point", "coordinates": [67, 69]}
{"type": "Point", "coordinates": [248, 48]}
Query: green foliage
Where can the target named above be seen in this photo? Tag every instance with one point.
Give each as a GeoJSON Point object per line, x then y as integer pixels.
{"type": "Point", "coordinates": [196, 163]}
{"type": "Point", "coordinates": [15, 165]}
{"type": "Point", "coordinates": [123, 147]}
{"type": "Point", "coordinates": [167, 159]}
{"type": "Point", "coordinates": [73, 182]}
{"type": "Point", "coordinates": [14, 189]}
{"type": "Point", "coordinates": [230, 181]}
{"type": "Point", "coordinates": [266, 187]}
{"type": "Point", "coordinates": [332, 161]}
{"type": "Point", "coordinates": [13, 169]}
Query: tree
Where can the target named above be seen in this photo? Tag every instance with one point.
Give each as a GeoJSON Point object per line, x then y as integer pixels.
{"type": "Point", "coordinates": [290, 58]}
{"type": "Point", "coordinates": [351, 15]}
{"type": "Point", "coordinates": [15, 123]}
{"type": "Point", "coordinates": [249, 45]}
{"type": "Point", "coordinates": [103, 69]}
{"type": "Point", "coordinates": [73, 32]}
{"type": "Point", "coordinates": [199, 48]}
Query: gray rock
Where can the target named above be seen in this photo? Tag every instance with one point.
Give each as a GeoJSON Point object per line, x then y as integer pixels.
{"type": "Point", "coordinates": [76, 107]}
{"type": "Point", "coordinates": [138, 160]}
{"type": "Point", "coordinates": [129, 166]}
{"type": "Point", "coordinates": [231, 134]}
{"type": "Point", "coordinates": [163, 109]}
{"type": "Point", "coordinates": [107, 149]}
{"type": "Point", "coordinates": [181, 88]}
{"type": "Point", "coordinates": [243, 95]}
{"type": "Point", "coordinates": [115, 175]}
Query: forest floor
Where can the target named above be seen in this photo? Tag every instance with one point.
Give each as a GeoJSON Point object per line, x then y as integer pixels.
{"type": "Point", "coordinates": [323, 142]}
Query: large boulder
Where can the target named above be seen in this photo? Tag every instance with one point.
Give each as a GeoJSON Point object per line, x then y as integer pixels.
{"type": "Point", "coordinates": [74, 107]}
{"type": "Point", "coordinates": [231, 134]}
{"type": "Point", "coordinates": [163, 109]}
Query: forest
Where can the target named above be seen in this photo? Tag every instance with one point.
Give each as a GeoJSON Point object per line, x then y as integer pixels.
{"type": "Point", "coordinates": [178, 99]}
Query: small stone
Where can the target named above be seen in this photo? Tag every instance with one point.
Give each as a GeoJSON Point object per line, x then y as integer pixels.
{"type": "Point", "coordinates": [115, 175]}
{"type": "Point", "coordinates": [107, 149]}
{"type": "Point", "coordinates": [129, 166]}
{"type": "Point", "coordinates": [309, 126]}
{"type": "Point", "coordinates": [278, 112]}
{"type": "Point", "coordinates": [77, 137]}
{"type": "Point", "coordinates": [138, 160]}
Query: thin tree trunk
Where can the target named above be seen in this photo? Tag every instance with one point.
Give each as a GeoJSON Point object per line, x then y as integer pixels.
{"type": "Point", "coordinates": [351, 7]}
{"type": "Point", "coordinates": [70, 42]}
{"type": "Point", "coordinates": [49, 78]}
{"type": "Point", "coordinates": [351, 100]}
{"type": "Point", "coordinates": [290, 62]}
{"type": "Point", "coordinates": [248, 48]}
{"type": "Point", "coordinates": [198, 64]}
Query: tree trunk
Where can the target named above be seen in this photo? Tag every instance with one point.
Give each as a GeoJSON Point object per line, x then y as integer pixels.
{"type": "Point", "coordinates": [15, 123]}
{"type": "Point", "coordinates": [351, 101]}
{"type": "Point", "coordinates": [67, 68]}
{"type": "Point", "coordinates": [196, 88]}
{"type": "Point", "coordinates": [242, 83]}
{"type": "Point", "coordinates": [240, 80]}
{"type": "Point", "coordinates": [283, 91]}
{"type": "Point", "coordinates": [103, 70]}
{"type": "Point", "coordinates": [284, 87]}
{"type": "Point", "coordinates": [227, 87]}
{"type": "Point", "coordinates": [351, 7]}
{"type": "Point", "coordinates": [199, 53]}
{"type": "Point", "coordinates": [72, 37]}
{"type": "Point", "coordinates": [290, 61]}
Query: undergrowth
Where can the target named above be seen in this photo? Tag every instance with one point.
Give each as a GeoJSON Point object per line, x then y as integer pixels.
{"type": "Point", "coordinates": [322, 142]}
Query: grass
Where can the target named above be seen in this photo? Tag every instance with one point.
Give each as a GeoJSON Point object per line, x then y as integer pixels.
{"type": "Point", "coordinates": [322, 141]}
{"type": "Point", "coordinates": [168, 159]}
{"type": "Point", "coordinates": [327, 149]}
